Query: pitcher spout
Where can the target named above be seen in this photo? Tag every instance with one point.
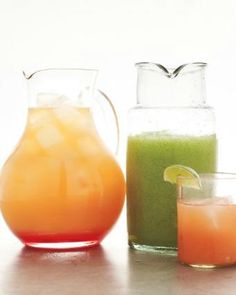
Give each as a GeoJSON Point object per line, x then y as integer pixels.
{"type": "Point", "coordinates": [188, 68]}
{"type": "Point", "coordinates": [69, 83]}
{"type": "Point", "coordinates": [153, 67]}
{"type": "Point", "coordinates": [171, 72]}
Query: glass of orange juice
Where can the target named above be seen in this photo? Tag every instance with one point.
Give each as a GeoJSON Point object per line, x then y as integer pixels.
{"type": "Point", "coordinates": [206, 221]}
{"type": "Point", "coordinates": [61, 187]}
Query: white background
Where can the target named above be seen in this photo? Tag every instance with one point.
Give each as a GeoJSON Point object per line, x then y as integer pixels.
{"type": "Point", "coordinates": [112, 35]}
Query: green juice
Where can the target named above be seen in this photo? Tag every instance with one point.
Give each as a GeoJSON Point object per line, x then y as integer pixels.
{"type": "Point", "coordinates": [151, 202]}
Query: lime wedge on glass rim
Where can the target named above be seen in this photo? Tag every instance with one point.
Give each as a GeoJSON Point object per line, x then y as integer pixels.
{"type": "Point", "coordinates": [190, 178]}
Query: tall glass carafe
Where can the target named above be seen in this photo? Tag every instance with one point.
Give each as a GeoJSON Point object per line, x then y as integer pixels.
{"type": "Point", "coordinates": [171, 124]}
{"type": "Point", "coordinates": [61, 187]}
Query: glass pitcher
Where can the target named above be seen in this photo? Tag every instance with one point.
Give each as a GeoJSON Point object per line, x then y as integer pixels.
{"type": "Point", "coordinates": [171, 124]}
{"type": "Point", "coordinates": [61, 187]}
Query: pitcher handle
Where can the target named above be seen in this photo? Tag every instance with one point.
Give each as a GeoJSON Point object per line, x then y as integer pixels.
{"type": "Point", "coordinates": [115, 116]}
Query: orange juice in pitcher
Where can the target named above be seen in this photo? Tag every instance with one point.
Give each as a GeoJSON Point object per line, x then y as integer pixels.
{"type": "Point", "coordinates": [61, 187]}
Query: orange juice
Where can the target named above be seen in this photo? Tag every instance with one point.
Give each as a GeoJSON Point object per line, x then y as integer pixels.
{"type": "Point", "coordinates": [61, 185]}
{"type": "Point", "coordinates": [206, 232]}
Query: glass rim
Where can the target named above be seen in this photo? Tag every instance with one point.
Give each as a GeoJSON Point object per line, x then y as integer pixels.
{"type": "Point", "coordinates": [59, 69]}
{"type": "Point", "coordinates": [211, 176]}
{"type": "Point", "coordinates": [171, 72]}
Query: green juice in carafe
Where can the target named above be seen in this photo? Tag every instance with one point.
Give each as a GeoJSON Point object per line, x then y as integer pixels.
{"type": "Point", "coordinates": [151, 202]}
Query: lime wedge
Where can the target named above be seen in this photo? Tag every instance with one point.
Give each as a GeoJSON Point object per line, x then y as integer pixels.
{"type": "Point", "coordinates": [190, 176]}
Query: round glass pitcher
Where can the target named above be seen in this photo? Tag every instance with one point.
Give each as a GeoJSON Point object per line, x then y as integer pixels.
{"type": "Point", "coordinates": [171, 124]}
{"type": "Point", "coordinates": [61, 187]}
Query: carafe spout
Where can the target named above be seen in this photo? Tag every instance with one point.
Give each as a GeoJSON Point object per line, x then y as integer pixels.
{"type": "Point", "coordinates": [159, 86]}
{"type": "Point", "coordinates": [68, 83]}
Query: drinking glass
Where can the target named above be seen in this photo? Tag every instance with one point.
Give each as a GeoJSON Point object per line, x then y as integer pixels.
{"type": "Point", "coordinates": [206, 221]}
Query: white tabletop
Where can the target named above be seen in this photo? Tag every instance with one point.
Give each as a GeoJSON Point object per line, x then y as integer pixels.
{"type": "Point", "coordinates": [111, 268]}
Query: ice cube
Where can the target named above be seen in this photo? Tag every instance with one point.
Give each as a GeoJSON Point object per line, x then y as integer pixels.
{"type": "Point", "coordinates": [67, 114]}
{"type": "Point", "coordinates": [39, 118]}
{"type": "Point", "coordinates": [51, 100]}
{"type": "Point", "coordinates": [49, 136]}
{"type": "Point", "coordinates": [203, 202]}
{"type": "Point", "coordinates": [227, 200]}
{"type": "Point", "coordinates": [72, 118]}
{"type": "Point", "coordinates": [217, 208]}
{"type": "Point", "coordinates": [212, 213]}
{"type": "Point", "coordinates": [89, 145]}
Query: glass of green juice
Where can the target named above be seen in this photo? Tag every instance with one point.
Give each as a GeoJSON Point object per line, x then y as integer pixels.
{"type": "Point", "coordinates": [171, 124]}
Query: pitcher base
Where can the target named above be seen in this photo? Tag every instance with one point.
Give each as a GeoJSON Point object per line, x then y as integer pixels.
{"type": "Point", "coordinates": [64, 245]}
{"type": "Point", "coordinates": [171, 251]}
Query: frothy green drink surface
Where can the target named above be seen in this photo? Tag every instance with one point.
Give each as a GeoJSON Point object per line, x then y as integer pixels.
{"type": "Point", "coordinates": [151, 202]}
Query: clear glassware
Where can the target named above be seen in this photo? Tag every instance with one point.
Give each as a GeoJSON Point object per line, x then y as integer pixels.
{"type": "Point", "coordinates": [171, 124]}
{"type": "Point", "coordinates": [61, 187]}
{"type": "Point", "coordinates": [206, 221]}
